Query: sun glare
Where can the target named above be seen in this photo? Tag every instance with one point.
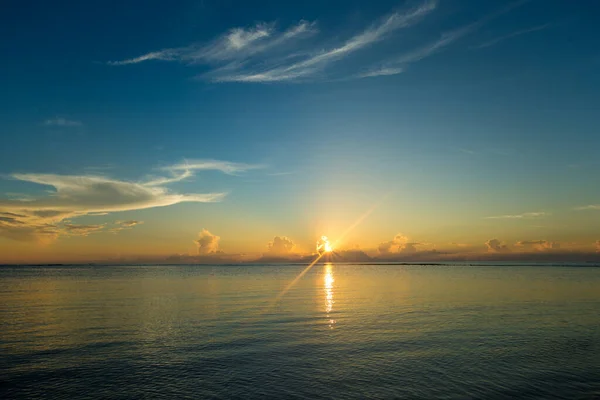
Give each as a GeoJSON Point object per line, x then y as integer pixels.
{"type": "Point", "coordinates": [324, 246]}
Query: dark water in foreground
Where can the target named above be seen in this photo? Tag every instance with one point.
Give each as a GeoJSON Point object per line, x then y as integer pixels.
{"type": "Point", "coordinates": [343, 331]}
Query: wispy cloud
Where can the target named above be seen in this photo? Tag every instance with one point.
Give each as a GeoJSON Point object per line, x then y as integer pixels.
{"type": "Point", "coordinates": [399, 63]}
{"type": "Point", "coordinates": [317, 62]}
{"type": "Point", "coordinates": [588, 207]}
{"type": "Point", "coordinates": [81, 230]}
{"type": "Point", "coordinates": [186, 169]}
{"type": "Point", "coordinates": [538, 245]}
{"type": "Point", "coordinates": [520, 216]}
{"type": "Point", "coordinates": [236, 45]}
{"type": "Point", "coordinates": [382, 71]}
{"type": "Point", "coordinates": [510, 36]}
{"type": "Point", "coordinates": [263, 54]}
{"type": "Point", "coordinates": [63, 122]}
{"type": "Point", "coordinates": [123, 225]}
{"type": "Point", "coordinates": [284, 173]}
{"type": "Point", "coordinates": [79, 195]}
{"type": "Point", "coordinates": [130, 223]}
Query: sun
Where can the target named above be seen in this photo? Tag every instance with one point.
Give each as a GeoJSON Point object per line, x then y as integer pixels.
{"type": "Point", "coordinates": [324, 246]}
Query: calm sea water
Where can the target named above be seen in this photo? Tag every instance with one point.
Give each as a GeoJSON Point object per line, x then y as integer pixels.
{"type": "Point", "coordinates": [343, 331]}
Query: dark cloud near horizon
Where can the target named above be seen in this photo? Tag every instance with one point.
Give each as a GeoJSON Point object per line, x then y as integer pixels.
{"type": "Point", "coordinates": [399, 244]}
{"type": "Point", "coordinates": [280, 245]}
{"type": "Point", "coordinates": [539, 245]}
{"type": "Point", "coordinates": [495, 245]}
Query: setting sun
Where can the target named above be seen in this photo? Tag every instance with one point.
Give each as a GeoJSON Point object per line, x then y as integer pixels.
{"type": "Point", "coordinates": [324, 246]}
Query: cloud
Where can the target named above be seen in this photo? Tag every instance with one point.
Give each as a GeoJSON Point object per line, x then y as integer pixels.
{"type": "Point", "coordinates": [496, 246]}
{"type": "Point", "coordinates": [63, 122]}
{"type": "Point", "coordinates": [123, 225]}
{"type": "Point", "coordinates": [316, 62]}
{"type": "Point", "coordinates": [207, 243]}
{"type": "Point", "coordinates": [130, 223]}
{"type": "Point", "coordinates": [520, 216]}
{"type": "Point", "coordinates": [264, 54]}
{"type": "Point", "coordinates": [186, 169]}
{"type": "Point", "coordinates": [598, 246]}
{"type": "Point", "coordinates": [538, 245]}
{"type": "Point", "coordinates": [236, 45]}
{"type": "Point", "coordinates": [588, 207]}
{"type": "Point", "coordinates": [399, 244]}
{"type": "Point", "coordinates": [81, 230]}
{"type": "Point", "coordinates": [223, 166]}
{"type": "Point", "coordinates": [398, 64]}
{"type": "Point", "coordinates": [382, 71]}
{"type": "Point", "coordinates": [280, 245]}
{"type": "Point", "coordinates": [78, 195]}
{"type": "Point", "coordinates": [510, 36]}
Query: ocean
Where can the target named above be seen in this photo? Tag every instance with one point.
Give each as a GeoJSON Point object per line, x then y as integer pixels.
{"type": "Point", "coordinates": [340, 332]}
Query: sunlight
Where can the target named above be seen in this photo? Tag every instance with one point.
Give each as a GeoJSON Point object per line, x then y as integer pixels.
{"type": "Point", "coordinates": [328, 286]}
{"type": "Point", "coordinates": [324, 246]}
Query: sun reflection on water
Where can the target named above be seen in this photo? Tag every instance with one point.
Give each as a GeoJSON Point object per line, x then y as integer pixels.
{"type": "Point", "coordinates": [328, 287]}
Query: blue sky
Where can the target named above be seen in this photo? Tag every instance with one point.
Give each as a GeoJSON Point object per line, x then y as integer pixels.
{"type": "Point", "coordinates": [454, 110]}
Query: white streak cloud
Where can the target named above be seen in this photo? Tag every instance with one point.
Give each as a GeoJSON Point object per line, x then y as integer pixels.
{"type": "Point", "coordinates": [588, 207]}
{"type": "Point", "coordinates": [263, 54]}
{"type": "Point", "coordinates": [238, 44]}
{"type": "Point", "coordinates": [510, 36]}
{"type": "Point", "coordinates": [446, 39]}
{"type": "Point", "coordinates": [384, 71]}
{"type": "Point", "coordinates": [519, 216]}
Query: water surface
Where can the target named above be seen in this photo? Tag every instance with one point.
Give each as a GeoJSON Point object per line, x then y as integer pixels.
{"type": "Point", "coordinates": [343, 331]}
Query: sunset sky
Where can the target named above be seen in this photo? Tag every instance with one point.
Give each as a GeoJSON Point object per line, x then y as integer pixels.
{"type": "Point", "coordinates": [203, 128]}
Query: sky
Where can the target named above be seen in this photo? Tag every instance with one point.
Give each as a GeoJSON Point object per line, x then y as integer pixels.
{"type": "Point", "coordinates": [233, 130]}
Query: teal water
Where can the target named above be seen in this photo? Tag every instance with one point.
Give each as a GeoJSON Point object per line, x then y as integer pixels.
{"type": "Point", "coordinates": [341, 332]}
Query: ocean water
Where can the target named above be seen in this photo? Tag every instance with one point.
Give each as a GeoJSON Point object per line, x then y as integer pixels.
{"type": "Point", "coordinates": [341, 332]}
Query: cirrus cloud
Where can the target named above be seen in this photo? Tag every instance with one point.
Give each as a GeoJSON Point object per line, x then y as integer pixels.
{"type": "Point", "coordinates": [262, 53]}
